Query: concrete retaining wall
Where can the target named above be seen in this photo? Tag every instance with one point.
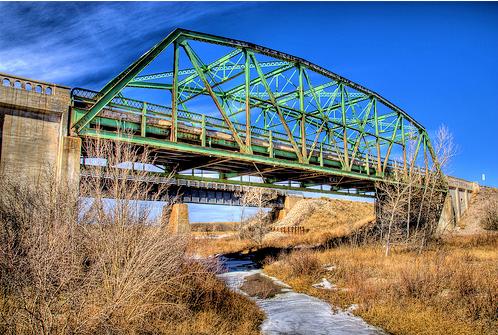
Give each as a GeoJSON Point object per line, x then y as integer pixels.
{"type": "Point", "coordinates": [34, 129]}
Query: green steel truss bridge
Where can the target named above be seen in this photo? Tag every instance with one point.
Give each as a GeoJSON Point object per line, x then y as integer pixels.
{"type": "Point", "coordinates": [212, 103]}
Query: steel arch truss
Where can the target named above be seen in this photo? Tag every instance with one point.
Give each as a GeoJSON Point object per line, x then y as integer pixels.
{"type": "Point", "coordinates": [242, 109]}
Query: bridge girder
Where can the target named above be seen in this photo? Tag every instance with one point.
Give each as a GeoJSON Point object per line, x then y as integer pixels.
{"type": "Point", "coordinates": [266, 107]}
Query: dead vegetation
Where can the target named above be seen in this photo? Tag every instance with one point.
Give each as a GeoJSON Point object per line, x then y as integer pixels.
{"type": "Point", "coordinates": [98, 264]}
{"type": "Point", "coordinates": [489, 220]}
{"type": "Point", "coordinates": [410, 199]}
{"type": "Point", "coordinates": [260, 286]}
{"type": "Point", "coordinates": [324, 213]}
{"type": "Point", "coordinates": [482, 212]}
{"type": "Point", "coordinates": [255, 227]}
{"type": "Point", "coordinates": [448, 288]}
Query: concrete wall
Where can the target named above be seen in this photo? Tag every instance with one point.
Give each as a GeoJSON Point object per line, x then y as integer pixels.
{"type": "Point", "coordinates": [289, 203]}
{"type": "Point", "coordinates": [456, 203]}
{"type": "Point", "coordinates": [34, 129]}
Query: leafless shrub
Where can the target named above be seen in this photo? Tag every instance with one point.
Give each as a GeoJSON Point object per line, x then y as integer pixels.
{"type": "Point", "coordinates": [260, 286]}
{"type": "Point", "coordinates": [303, 263]}
{"type": "Point", "coordinates": [489, 221]}
{"type": "Point", "coordinates": [99, 264]}
{"type": "Point", "coordinates": [410, 201]}
{"type": "Point", "coordinates": [257, 226]}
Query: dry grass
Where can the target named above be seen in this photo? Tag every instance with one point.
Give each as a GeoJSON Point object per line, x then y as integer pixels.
{"type": "Point", "coordinates": [318, 237]}
{"type": "Point", "coordinates": [205, 246]}
{"type": "Point", "coordinates": [59, 276]}
{"type": "Point", "coordinates": [77, 266]}
{"type": "Point", "coordinates": [213, 227]}
{"type": "Point", "coordinates": [213, 246]}
{"type": "Point", "coordinates": [324, 214]}
{"type": "Point", "coordinates": [449, 288]}
{"type": "Point", "coordinates": [260, 286]}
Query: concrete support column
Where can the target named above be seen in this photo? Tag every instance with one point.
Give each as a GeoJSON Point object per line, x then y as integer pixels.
{"type": "Point", "coordinates": [465, 201]}
{"type": "Point", "coordinates": [289, 203]}
{"type": "Point", "coordinates": [69, 168]}
{"type": "Point", "coordinates": [177, 218]}
{"type": "Point", "coordinates": [457, 204]}
{"type": "Point", "coordinates": [447, 219]}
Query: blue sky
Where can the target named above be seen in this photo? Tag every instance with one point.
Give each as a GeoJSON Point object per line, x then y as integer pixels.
{"type": "Point", "coordinates": [437, 61]}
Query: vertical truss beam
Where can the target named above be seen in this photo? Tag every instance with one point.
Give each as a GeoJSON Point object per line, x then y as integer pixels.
{"type": "Point", "coordinates": [143, 121]}
{"type": "Point", "coordinates": [386, 159]}
{"type": "Point", "coordinates": [193, 59]}
{"type": "Point", "coordinates": [361, 134]}
{"type": "Point", "coordinates": [377, 138]}
{"type": "Point", "coordinates": [174, 93]}
{"type": "Point", "coordinates": [303, 113]}
{"type": "Point", "coordinates": [344, 128]}
{"type": "Point", "coordinates": [247, 78]}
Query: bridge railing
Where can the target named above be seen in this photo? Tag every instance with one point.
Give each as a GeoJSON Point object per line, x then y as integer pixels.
{"type": "Point", "coordinates": [30, 85]}
{"type": "Point", "coordinates": [217, 125]}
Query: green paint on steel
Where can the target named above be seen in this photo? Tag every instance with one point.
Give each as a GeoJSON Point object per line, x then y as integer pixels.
{"type": "Point", "coordinates": [271, 111]}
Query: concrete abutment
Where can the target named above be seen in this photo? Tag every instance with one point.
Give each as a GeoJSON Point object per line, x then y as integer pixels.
{"type": "Point", "coordinates": [34, 131]}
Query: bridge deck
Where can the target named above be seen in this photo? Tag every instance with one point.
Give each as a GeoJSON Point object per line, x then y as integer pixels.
{"type": "Point", "coordinates": [205, 142]}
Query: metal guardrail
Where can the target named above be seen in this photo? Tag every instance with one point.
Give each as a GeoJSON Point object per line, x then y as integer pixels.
{"type": "Point", "coordinates": [218, 125]}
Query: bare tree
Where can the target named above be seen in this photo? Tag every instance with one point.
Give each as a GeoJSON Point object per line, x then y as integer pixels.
{"type": "Point", "coordinates": [256, 226]}
{"type": "Point", "coordinates": [92, 265]}
{"type": "Point", "coordinates": [409, 201]}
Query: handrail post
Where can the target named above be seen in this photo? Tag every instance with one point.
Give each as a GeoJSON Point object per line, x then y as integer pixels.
{"type": "Point", "coordinates": [143, 121]}
{"type": "Point", "coordinates": [203, 130]}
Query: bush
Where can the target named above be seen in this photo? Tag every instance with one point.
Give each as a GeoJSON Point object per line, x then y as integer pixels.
{"type": "Point", "coordinates": [303, 263]}
{"type": "Point", "coordinates": [73, 265]}
{"type": "Point", "coordinates": [260, 286]}
{"type": "Point", "coordinates": [489, 220]}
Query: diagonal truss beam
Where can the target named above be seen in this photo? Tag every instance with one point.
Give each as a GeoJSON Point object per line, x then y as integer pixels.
{"type": "Point", "coordinates": [117, 84]}
{"type": "Point", "coordinates": [277, 108]}
{"type": "Point", "coordinates": [193, 58]}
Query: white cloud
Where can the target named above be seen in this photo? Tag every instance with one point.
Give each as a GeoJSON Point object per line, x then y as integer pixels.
{"type": "Point", "coordinates": [87, 43]}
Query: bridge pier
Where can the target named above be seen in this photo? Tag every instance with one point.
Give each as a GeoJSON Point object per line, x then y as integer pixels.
{"type": "Point", "coordinates": [289, 202]}
{"type": "Point", "coordinates": [456, 202]}
{"type": "Point", "coordinates": [176, 217]}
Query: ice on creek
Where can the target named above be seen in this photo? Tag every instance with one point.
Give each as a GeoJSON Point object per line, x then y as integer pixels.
{"type": "Point", "coordinates": [296, 313]}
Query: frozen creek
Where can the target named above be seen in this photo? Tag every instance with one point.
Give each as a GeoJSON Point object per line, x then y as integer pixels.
{"type": "Point", "coordinates": [295, 313]}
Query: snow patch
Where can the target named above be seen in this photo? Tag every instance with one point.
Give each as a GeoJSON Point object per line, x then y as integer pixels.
{"type": "Point", "coordinates": [325, 284]}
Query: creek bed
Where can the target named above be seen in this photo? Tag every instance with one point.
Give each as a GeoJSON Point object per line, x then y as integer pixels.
{"type": "Point", "coordinates": [290, 312]}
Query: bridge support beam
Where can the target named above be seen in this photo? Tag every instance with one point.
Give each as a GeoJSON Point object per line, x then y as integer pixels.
{"type": "Point", "coordinates": [176, 217]}
{"type": "Point", "coordinates": [447, 219]}
{"type": "Point", "coordinates": [289, 202]}
{"type": "Point", "coordinates": [69, 164]}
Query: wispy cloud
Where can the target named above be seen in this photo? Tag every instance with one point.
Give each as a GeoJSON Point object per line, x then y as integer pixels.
{"type": "Point", "coordinates": [85, 44]}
